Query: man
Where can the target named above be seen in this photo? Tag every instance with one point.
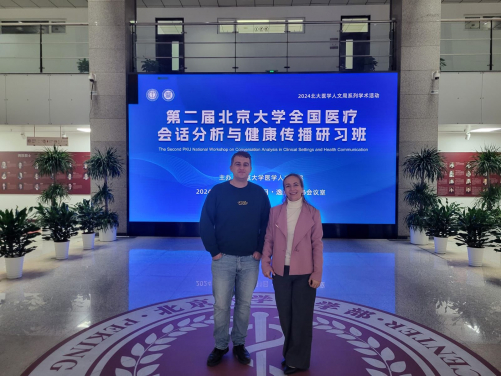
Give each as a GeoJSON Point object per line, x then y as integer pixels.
{"type": "Point", "coordinates": [232, 226]}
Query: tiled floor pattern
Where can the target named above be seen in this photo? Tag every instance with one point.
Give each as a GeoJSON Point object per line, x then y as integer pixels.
{"type": "Point", "coordinates": [56, 299]}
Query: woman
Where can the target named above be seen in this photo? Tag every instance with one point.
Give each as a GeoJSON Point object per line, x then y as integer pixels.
{"type": "Point", "coordinates": [292, 258]}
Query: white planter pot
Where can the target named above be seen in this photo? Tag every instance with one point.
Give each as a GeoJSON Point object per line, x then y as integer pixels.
{"type": "Point", "coordinates": [440, 244]}
{"type": "Point", "coordinates": [14, 267]}
{"type": "Point", "coordinates": [62, 250]}
{"type": "Point", "coordinates": [475, 256]}
{"type": "Point", "coordinates": [108, 235]}
{"type": "Point", "coordinates": [419, 237]}
{"type": "Point", "coordinates": [88, 240]}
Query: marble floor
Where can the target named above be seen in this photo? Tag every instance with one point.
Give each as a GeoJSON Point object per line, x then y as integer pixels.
{"type": "Point", "coordinates": [56, 299]}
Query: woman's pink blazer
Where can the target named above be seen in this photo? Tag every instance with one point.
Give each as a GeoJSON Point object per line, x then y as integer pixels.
{"type": "Point", "coordinates": [307, 247]}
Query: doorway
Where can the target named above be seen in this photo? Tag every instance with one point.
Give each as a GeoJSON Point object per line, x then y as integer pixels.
{"type": "Point", "coordinates": [354, 49]}
{"type": "Point", "coordinates": [169, 37]}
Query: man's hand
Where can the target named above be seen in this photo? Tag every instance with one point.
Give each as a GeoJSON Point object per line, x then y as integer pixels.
{"type": "Point", "coordinates": [257, 255]}
{"type": "Point", "coordinates": [313, 283]}
{"type": "Point", "coordinates": [270, 274]}
{"type": "Point", "coordinates": [217, 257]}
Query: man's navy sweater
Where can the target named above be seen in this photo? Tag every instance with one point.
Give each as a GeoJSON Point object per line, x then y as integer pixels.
{"type": "Point", "coordinates": [234, 220]}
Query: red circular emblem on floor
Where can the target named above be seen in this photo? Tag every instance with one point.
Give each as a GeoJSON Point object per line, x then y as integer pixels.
{"type": "Point", "coordinates": [175, 337]}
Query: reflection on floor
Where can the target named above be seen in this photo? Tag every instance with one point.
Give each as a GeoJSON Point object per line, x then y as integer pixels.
{"type": "Point", "coordinates": [158, 275]}
{"type": "Point", "coordinates": [56, 299]}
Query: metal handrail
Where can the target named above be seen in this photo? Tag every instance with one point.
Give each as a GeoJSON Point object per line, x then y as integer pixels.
{"type": "Point", "coordinates": [11, 24]}
{"type": "Point", "coordinates": [272, 42]}
{"type": "Point", "coordinates": [470, 19]}
{"type": "Point", "coordinates": [226, 23]}
{"type": "Point", "coordinates": [231, 39]}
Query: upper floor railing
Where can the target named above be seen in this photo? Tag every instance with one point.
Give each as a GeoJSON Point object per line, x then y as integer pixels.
{"type": "Point", "coordinates": [295, 45]}
{"type": "Point", "coordinates": [471, 45]}
{"type": "Point", "coordinates": [258, 46]}
{"type": "Point", "coordinates": [44, 47]}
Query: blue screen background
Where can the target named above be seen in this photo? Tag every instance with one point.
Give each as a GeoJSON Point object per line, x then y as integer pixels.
{"type": "Point", "coordinates": [359, 187]}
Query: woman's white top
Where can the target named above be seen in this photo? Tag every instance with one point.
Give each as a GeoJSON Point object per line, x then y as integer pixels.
{"type": "Point", "coordinates": [293, 210]}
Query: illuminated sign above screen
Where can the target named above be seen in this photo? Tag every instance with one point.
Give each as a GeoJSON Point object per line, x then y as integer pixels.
{"type": "Point", "coordinates": [339, 131]}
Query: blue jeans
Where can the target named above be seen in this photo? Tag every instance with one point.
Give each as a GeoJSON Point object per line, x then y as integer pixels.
{"type": "Point", "coordinates": [233, 275]}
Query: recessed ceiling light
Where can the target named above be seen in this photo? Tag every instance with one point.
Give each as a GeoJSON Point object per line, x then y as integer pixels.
{"type": "Point", "coordinates": [86, 130]}
{"type": "Point", "coordinates": [485, 130]}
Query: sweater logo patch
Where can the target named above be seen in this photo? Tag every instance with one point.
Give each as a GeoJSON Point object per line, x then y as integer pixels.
{"type": "Point", "coordinates": [243, 203]}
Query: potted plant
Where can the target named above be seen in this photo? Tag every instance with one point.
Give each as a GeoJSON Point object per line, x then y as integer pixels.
{"type": "Point", "coordinates": [476, 227]}
{"type": "Point", "coordinates": [62, 222]}
{"type": "Point", "coordinates": [17, 232]}
{"type": "Point", "coordinates": [49, 163]}
{"type": "Point", "coordinates": [83, 65]}
{"type": "Point", "coordinates": [88, 217]}
{"type": "Point", "coordinates": [442, 63]}
{"type": "Point", "coordinates": [426, 166]}
{"type": "Point", "coordinates": [441, 222]}
{"type": "Point", "coordinates": [150, 65]}
{"type": "Point", "coordinates": [104, 166]}
{"type": "Point", "coordinates": [486, 163]}
{"type": "Point", "coordinates": [496, 213]}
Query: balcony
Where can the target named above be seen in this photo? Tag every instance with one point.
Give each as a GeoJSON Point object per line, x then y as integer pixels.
{"type": "Point", "coordinates": [470, 45]}
{"type": "Point", "coordinates": [232, 46]}
{"type": "Point", "coordinates": [235, 46]}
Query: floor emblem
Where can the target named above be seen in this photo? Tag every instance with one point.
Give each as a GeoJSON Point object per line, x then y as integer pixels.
{"type": "Point", "coordinates": [175, 337]}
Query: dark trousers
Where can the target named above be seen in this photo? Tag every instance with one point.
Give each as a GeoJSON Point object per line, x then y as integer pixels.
{"type": "Point", "coordinates": [295, 303]}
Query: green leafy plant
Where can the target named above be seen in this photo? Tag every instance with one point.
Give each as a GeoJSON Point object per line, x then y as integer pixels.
{"type": "Point", "coordinates": [49, 163]}
{"type": "Point", "coordinates": [425, 166]}
{"type": "Point", "coordinates": [108, 220]}
{"type": "Point", "coordinates": [421, 195]}
{"type": "Point", "coordinates": [486, 163]}
{"type": "Point", "coordinates": [17, 231]}
{"type": "Point", "coordinates": [370, 64]}
{"type": "Point", "coordinates": [428, 164]}
{"type": "Point", "coordinates": [54, 193]}
{"type": "Point", "coordinates": [442, 220]}
{"type": "Point", "coordinates": [104, 195]}
{"type": "Point", "coordinates": [105, 166]}
{"type": "Point", "coordinates": [88, 216]}
{"type": "Point", "coordinates": [476, 227]}
{"type": "Point", "coordinates": [442, 63]}
{"type": "Point", "coordinates": [60, 219]}
{"type": "Point", "coordinates": [416, 219]}
{"type": "Point", "coordinates": [83, 65]}
{"type": "Point", "coordinates": [150, 65]}
{"type": "Point", "coordinates": [490, 198]}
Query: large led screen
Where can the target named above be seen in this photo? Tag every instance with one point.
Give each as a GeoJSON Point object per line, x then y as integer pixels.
{"type": "Point", "coordinates": [336, 130]}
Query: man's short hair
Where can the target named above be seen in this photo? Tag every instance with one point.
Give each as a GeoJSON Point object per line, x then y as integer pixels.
{"type": "Point", "coordinates": [241, 154]}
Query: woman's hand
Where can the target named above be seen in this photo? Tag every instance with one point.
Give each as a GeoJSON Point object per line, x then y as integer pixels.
{"type": "Point", "coordinates": [217, 257]}
{"type": "Point", "coordinates": [313, 283]}
{"type": "Point", "coordinates": [257, 255]}
{"type": "Point", "coordinates": [270, 274]}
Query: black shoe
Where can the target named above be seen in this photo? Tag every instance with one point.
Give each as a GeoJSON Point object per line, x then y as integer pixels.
{"type": "Point", "coordinates": [283, 362]}
{"type": "Point", "coordinates": [290, 370]}
{"type": "Point", "coordinates": [241, 354]}
{"type": "Point", "coordinates": [216, 356]}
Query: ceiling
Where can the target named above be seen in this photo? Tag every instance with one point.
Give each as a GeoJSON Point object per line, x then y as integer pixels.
{"type": "Point", "coordinates": [207, 3]}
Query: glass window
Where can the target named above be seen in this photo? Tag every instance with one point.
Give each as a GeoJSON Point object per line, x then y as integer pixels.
{"type": "Point", "coordinates": [361, 27]}
{"type": "Point", "coordinates": [58, 29]}
{"type": "Point", "coordinates": [171, 27]}
{"type": "Point", "coordinates": [18, 27]}
{"type": "Point", "coordinates": [250, 26]}
{"type": "Point", "coordinates": [482, 25]}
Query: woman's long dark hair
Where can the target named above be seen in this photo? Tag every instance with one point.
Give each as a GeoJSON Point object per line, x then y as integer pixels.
{"type": "Point", "coordinates": [302, 186]}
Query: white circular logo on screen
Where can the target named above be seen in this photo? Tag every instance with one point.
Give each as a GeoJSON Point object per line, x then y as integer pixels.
{"type": "Point", "coordinates": [152, 95]}
{"type": "Point", "coordinates": [168, 95]}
